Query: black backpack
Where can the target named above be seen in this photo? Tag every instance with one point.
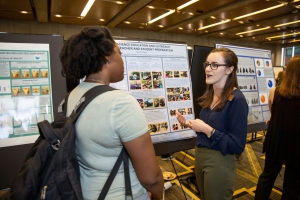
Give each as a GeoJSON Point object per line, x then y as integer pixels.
{"type": "Point", "coordinates": [51, 169]}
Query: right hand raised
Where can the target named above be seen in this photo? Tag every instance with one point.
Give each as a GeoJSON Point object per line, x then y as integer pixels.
{"type": "Point", "coordinates": [181, 119]}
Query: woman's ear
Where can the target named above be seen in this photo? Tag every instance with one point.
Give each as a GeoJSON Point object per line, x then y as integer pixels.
{"type": "Point", "coordinates": [229, 70]}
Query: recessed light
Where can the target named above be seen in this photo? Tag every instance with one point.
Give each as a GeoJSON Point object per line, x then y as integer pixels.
{"type": "Point", "coordinates": [241, 22]}
{"type": "Point", "coordinates": [257, 24]}
{"type": "Point", "coordinates": [206, 31]}
{"type": "Point", "coordinates": [151, 7]}
{"type": "Point", "coordinates": [24, 12]}
{"type": "Point", "coordinates": [161, 26]}
{"type": "Point", "coordinates": [126, 22]}
{"type": "Point", "coordinates": [102, 20]}
{"type": "Point", "coordinates": [213, 17]}
{"type": "Point", "coordinates": [241, 36]}
{"type": "Point", "coordinates": [180, 28]}
{"type": "Point", "coordinates": [57, 15]}
{"type": "Point", "coordinates": [221, 33]}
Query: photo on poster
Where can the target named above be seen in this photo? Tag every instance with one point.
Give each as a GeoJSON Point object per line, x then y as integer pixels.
{"type": "Point", "coordinates": [176, 74]}
{"type": "Point", "coordinates": [36, 90]}
{"type": "Point", "coordinates": [158, 84]}
{"type": "Point", "coordinates": [168, 74]}
{"type": "Point", "coordinates": [25, 73]}
{"type": "Point", "coordinates": [259, 62]}
{"type": "Point", "coordinates": [147, 85]}
{"type": "Point", "coordinates": [35, 73]}
{"type": "Point", "coordinates": [263, 97]}
{"type": "Point", "coordinates": [44, 73]}
{"type": "Point", "coordinates": [135, 85]}
{"type": "Point", "coordinates": [25, 91]}
{"type": "Point", "coordinates": [134, 75]}
{"type": "Point", "coordinates": [15, 74]}
{"type": "Point", "coordinates": [45, 90]}
{"type": "Point", "coordinates": [141, 103]}
{"type": "Point", "coordinates": [183, 74]}
{"type": "Point", "coordinates": [157, 75]}
{"type": "Point", "coordinates": [146, 75]}
{"type": "Point", "coordinates": [16, 91]}
{"type": "Point", "coordinates": [148, 103]}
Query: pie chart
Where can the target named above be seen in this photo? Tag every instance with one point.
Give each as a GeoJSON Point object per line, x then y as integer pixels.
{"type": "Point", "coordinates": [258, 72]}
{"type": "Point", "coordinates": [270, 83]}
{"type": "Point", "coordinates": [262, 98]}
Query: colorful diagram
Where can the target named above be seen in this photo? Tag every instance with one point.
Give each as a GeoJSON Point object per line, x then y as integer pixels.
{"type": "Point", "coordinates": [267, 63]}
{"type": "Point", "coordinates": [262, 98]}
{"type": "Point", "coordinates": [258, 73]}
{"type": "Point", "coordinates": [270, 83]}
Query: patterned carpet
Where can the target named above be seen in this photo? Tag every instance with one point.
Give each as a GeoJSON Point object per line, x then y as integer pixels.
{"type": "Point", "coordinates": [248, 171]}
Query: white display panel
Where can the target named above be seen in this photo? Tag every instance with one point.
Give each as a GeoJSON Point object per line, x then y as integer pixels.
{"type": "Point", "coordinates": [255, 79]}
{"type": "Point", "coordinates": [157, 75]}
{"type": "Point", "coordinates": [25, 91]}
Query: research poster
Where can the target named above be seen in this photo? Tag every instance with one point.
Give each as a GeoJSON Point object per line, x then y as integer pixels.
{"type": "Point", "coordinates": [158, 76]}
{"type": "Point", "coordinates": [255, 80]}
{"type": "Point", "coordinates": [25, 91]}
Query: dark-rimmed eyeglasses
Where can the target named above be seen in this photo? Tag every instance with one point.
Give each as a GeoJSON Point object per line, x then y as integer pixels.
{"type": "Point", "coordinates": [213, 66]}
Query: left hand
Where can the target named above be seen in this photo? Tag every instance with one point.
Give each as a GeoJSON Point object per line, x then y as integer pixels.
{"type": "Point", "coordinates": [200, 126]}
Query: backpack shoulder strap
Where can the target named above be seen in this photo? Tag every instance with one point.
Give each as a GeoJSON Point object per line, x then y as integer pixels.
{"type": "Point", "coordinates": [87, 98]}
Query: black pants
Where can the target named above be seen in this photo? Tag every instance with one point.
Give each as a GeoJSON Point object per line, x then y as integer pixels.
{"type": "Point", "coordinates": [291, 182]}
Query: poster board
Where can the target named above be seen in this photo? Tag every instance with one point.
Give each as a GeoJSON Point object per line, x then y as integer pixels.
{"type": "Point", "coordinates": [13, 153]}
{"type": "Point", "coordinates": [255, 79]}
{"type": "Point", "coordinates": [157, 74]}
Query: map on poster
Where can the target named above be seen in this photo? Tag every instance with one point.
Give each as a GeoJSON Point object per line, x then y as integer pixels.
{"type": "Point", "coordinates": [255, 79]}
{"type": "Point", "coordinates": [158, 76]}
{"type": "Point", "coordinates": [25, 91]}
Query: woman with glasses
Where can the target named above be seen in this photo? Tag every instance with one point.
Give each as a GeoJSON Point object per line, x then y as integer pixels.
{"type": "Point", "coordinates": [221, 128]}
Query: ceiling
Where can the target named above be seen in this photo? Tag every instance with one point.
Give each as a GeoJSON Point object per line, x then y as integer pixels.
{"type": "Point", "coordinates": [268, 27]}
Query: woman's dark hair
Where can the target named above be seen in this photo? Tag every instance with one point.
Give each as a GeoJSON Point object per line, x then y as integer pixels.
{"type": "Point", "coordinates": [290, 85]}
{"type": "Point", "coordinates": [86, 52]}
{"type": "Point", "coordinates": [206, 99]}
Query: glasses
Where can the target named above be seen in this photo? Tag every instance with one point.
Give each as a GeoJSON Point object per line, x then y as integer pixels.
{"type": "Point", "coordinates": [213, 66]}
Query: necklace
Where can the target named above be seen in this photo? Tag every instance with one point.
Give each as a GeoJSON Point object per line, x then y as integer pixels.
{"type": "Point", "coordinates": [93, 80]}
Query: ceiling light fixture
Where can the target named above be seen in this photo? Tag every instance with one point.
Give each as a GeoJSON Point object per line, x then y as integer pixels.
{"type": "Point", "coordinates": [102, 20]}
{"type": "Point", "coordinates": [57, 15]}
{"type": "Point", "coordinates": [255, 30]}
{"type": "Point", "coordinates": [87, 8]}
{"type": "Point", "coordinates": [151, 7]}
{"type": "Point", "coordinates": [294, 22]}
{"type": "Point", "coordinates": [24, 12]}
{"type": "Point", "coordinates": [162, 16]}
{"type": "Point", "coordinates": [279, 36]}
{"type": "Point", "coordinates": [216, 24]}
{"type": "Point", "coordinates": [213, 17]}
{"type": "Point", "coordinates": [294, 41]}
{"type": "Point", "coordinates": [161, 26]}
{"type": "Point", "coordinates": [186, 4]}
{"type": "Point", "coordinates": [260, 11]}
{"type": "Point", "coordinates": [180, 28]}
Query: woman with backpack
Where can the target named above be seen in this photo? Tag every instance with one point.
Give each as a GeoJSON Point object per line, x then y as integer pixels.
{"type": "Point", "coordinates": [107, 123]}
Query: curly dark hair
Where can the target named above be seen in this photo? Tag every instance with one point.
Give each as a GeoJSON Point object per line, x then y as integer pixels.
{"type": "Point", "coordinates": [85, 53]}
